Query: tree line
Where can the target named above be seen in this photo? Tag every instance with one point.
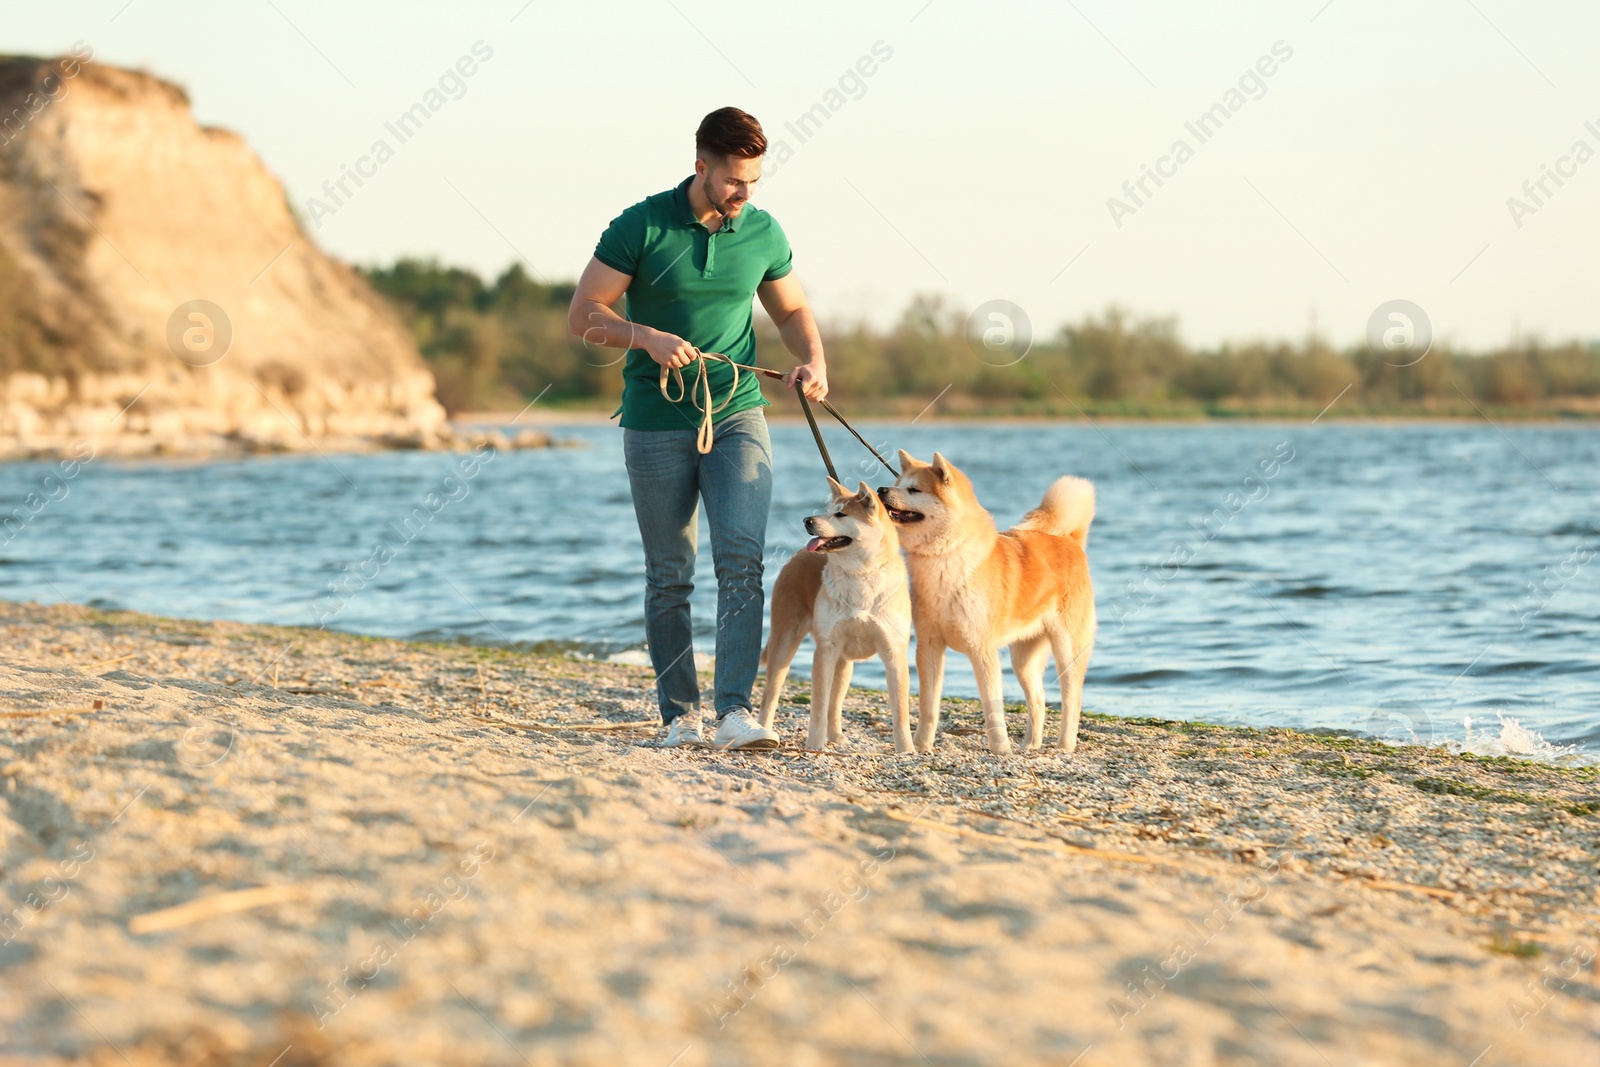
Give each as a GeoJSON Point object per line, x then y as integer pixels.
{"type": "Point", "coordinates": [496, 345]}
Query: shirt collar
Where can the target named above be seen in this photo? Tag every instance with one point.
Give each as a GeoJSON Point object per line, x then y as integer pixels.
{"type": "Point", "coordinates": [686, 212]}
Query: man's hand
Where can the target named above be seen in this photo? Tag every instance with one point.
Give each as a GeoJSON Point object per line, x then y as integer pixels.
{"type": "Point", "coordinates": [812, 378]}
{"type": "Point", "coordinates": [670, 350]}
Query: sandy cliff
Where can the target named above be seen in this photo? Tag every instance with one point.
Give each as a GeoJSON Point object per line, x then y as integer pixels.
{"type": "Point", "coordinates": [117, 210]}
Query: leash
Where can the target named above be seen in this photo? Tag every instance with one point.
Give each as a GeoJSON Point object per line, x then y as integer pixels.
{"type": "Point", "coordinates": [822, 446]}
{"type": "Point", "coordinates": [703, 384]}
{"type": "Point", "coordinates": [702, 403]}
{"type": "Point", "coordinates": [831, 410]}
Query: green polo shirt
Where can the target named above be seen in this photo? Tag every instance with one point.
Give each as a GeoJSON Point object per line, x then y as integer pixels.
{"type": "Point", "coordinates": [698, 284]}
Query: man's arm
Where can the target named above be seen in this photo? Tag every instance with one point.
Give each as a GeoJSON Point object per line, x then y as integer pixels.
{"type": "Point", "coordinates": [591, 318]}
{"type": "Point", "coordinates": [786, 303]}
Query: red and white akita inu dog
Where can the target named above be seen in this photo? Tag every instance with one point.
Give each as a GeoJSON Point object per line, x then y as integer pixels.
{"type": "Point", "coordinates": [848, 589]}
{"type": "Point", "coordinates": [974, 589]}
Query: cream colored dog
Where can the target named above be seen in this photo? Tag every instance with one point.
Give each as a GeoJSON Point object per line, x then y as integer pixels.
{"type": "Point", "coordinates": [974, 589]}
{"type": "Point", "coordinates": [848, 589]}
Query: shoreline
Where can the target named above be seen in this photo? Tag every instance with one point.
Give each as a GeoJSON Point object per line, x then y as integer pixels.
{"type": "Point", "coordinates": [263, 828]}
{"type": "Point", "coordinates": [1478, 744]}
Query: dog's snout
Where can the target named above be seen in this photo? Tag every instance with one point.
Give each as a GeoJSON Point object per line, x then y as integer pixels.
{"type": "Point", "coordinates": [883, 492]}
{"type": "Point", "coordinates": [811, 524]}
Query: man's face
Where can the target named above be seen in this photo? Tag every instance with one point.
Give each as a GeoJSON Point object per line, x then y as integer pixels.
{"type": "Point", "coordinates": [728, 183]}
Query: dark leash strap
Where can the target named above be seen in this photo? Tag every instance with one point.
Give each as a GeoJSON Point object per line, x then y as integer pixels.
{"type": "Point", "coordinates": [816, 432]}
{"type": "Point", "coordinates": [831, 410]}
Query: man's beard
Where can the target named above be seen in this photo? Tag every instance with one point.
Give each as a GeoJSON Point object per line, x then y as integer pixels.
{"type": "Point", "coordinates": [724, 208]}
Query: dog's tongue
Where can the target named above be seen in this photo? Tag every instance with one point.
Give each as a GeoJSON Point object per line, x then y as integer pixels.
{"type": "Point", "coordinates": [811, 545]}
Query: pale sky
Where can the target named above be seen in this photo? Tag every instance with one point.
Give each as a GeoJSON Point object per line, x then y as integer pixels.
{"type": "Point", "coordinates": [976, 161]}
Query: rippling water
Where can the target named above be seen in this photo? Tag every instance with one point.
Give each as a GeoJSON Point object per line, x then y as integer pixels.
{"type": "Point", "coordinates": [1391, 579]}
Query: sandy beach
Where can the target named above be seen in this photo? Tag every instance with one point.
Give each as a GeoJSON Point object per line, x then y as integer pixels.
{"type": "Point", "coordinates": [234, 844]}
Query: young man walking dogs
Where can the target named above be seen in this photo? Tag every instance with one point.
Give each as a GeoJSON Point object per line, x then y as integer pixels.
{"type": "Point", "coordinates": [689, 261]}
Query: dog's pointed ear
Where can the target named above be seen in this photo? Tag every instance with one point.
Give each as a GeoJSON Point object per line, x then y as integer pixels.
{"type": "Point", "coordinates": [907, 460]}
{"type": "Point", "coordinates": [942, 468]}
{"type": "Point", "coordinates": [868, 497]}
{"type": "Point", "coordinates": [836, 488]}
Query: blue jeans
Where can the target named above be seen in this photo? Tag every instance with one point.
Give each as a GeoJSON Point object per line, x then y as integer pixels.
{"type": "Point", "coordinates": [669, 478]}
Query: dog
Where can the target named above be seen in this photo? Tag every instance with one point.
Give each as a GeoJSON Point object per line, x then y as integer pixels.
{"type": "Point", "coordinates": [974, 589]}
{"type": "Point", "coordinates": [849, 589]}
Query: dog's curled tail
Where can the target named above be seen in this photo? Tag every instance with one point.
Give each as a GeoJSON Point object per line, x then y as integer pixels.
{"type": "Point", "coordinates": [1067, 509]}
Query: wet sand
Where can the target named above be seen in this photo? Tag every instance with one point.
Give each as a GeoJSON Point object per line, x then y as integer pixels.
{"type": "Point", "coordinates": [233, 844]}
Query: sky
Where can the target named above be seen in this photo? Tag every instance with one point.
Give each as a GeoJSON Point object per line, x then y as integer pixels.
{"type": "Point", "coordinates": [984, 157]}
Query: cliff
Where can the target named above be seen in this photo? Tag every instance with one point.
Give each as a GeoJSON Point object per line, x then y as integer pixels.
{"type": "Point", "coordinates": [158, 296]}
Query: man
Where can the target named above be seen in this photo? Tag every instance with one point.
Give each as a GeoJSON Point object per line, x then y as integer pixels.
{"type": "Point", "coordinates": [689, 261]}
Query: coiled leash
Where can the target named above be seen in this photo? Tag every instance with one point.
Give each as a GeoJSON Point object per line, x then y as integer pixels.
{"type": "Point", "coordinates": [702, 387]}
{"type": "Point", "coordinates": [699, 394]}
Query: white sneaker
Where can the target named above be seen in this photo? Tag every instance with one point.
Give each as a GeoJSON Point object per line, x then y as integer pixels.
{"type": "Point", "coordinates": [740, 730]}
{"type": "Point", "coordinates": [684, 731]}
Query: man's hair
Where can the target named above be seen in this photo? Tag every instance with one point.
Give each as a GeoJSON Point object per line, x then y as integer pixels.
{"type": "Point", "coordinates": [730, 133]}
